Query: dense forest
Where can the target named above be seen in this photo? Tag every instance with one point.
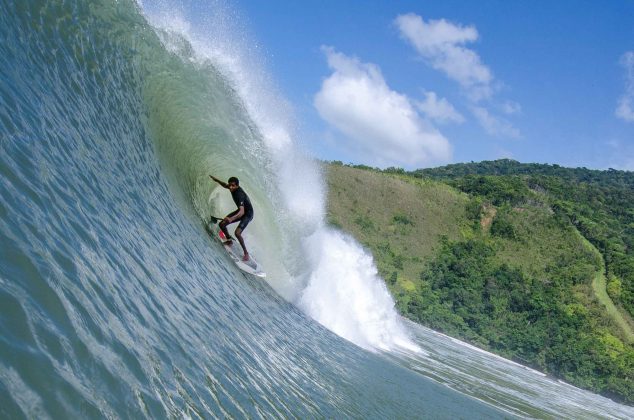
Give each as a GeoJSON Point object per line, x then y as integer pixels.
{"type": "Point", "coordinates": [533, 262]}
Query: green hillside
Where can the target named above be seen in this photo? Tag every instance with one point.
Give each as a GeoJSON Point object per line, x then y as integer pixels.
{"type": "Point", "coordinates": [401, 219]}
{"type": "Point", "coordinates": [528, 261]}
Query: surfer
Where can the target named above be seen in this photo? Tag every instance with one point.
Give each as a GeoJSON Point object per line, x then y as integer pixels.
{"type": "Point", "coordinates": [244, 213]}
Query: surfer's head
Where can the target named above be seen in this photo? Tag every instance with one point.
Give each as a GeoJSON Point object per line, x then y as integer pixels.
{"type": "Point", "coordinates": [233, 183]}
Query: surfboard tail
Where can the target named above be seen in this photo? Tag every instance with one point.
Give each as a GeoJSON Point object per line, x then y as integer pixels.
{"type": "Point", "coordinates": [235, 252]}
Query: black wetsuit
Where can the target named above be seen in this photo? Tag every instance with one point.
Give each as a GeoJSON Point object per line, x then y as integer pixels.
{"type": "Point", "coordinates": [242, 199]}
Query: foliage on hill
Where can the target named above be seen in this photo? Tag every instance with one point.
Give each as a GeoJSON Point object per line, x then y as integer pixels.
{"type": "Point", "coordinates": [494, 253]}
{"type": "Point", "coordinates": [598, 203]}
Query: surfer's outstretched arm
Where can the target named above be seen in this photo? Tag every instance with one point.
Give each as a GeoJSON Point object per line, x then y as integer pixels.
{"type": "Point", "coordinates": [222, 183]}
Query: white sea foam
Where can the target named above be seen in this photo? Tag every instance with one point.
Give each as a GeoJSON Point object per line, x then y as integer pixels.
{"type": "Point", "coordinates": [346, 294]}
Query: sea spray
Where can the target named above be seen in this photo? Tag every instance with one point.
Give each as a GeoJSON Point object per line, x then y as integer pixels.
{"type": "Point", "coordinates": [346, 294]}
{"type": "Point", "coordinates": [328, 275]}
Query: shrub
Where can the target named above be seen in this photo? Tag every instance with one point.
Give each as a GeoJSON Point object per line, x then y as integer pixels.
{"type": "Point", "coordinates": [401, 219]}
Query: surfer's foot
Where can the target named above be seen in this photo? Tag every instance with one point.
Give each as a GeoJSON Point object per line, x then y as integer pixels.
{"type": "Point", "coordinates": [246, 257]}
{"type": "Point", "coordinates": [228, 242]}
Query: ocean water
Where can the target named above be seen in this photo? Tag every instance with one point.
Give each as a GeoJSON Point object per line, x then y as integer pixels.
{"type": "Point", "coordinates": [114, 302]}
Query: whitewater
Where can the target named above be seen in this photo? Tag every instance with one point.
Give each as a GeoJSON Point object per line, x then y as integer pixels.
{"type": "Point", "coordinates": [114, 301]}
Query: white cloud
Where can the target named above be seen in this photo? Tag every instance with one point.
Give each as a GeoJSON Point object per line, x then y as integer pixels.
{"type": "Point", "coordinates": [439, 110]}
{"type": "Point", "coordinates": [510, 108]}
{"type": "Point", "coordinates": [382, 125]}
{"type": "Point", "coordinates": [441, 43]}
{"type": "Point", "coordinates": [493, 125]}
{"type": "Point", "coordinates": [625, 108]}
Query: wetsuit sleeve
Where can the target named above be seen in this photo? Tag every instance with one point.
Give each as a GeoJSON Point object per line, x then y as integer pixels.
{"type": "Point", "coordinates": [241, 199]}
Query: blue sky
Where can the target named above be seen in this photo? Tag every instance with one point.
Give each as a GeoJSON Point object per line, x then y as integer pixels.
{"type": "Point", "coordinates": [425, 83]}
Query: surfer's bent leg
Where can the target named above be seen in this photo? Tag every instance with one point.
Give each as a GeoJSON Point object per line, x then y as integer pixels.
{"type": "Point", "coordinates": [223, 225]}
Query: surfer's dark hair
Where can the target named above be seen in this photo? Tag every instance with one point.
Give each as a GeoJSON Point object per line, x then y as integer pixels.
{"type": "Point", "coordinates": [233, 180]}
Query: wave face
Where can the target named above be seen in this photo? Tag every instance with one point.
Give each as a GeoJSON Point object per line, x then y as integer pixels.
{"type": "Point", "coordinates": [114, 302]}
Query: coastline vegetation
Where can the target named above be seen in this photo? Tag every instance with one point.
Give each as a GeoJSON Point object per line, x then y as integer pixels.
{"type": "Point", "coordinates": [532, 262]}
